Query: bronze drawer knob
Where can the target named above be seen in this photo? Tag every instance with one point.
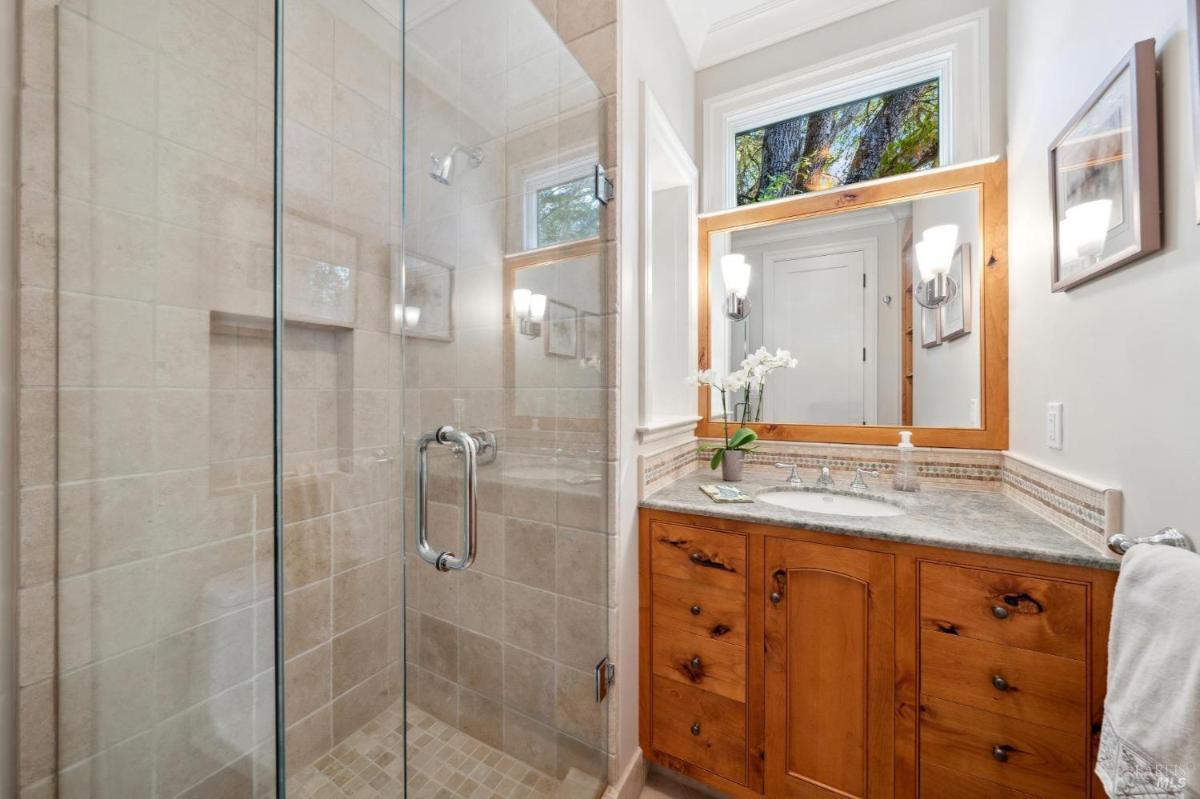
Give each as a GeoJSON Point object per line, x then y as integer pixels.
{"type": "Point", "coordinates": [999, 683]}
{"type": "Point", "coordinates": [695, 610]}
{"type": "Point", "coordinates": [696, 728]}
{"type": "Point", "coordinates": [1000, 753]}
{"type": "Point", "coordinates": [696, 663]}
{"type": "Point", "coordinates": [1000, 612]}
{"type": "Point", "coordinates": [697, 557]}
{"type": "Point", "coordinates": [776, 598]}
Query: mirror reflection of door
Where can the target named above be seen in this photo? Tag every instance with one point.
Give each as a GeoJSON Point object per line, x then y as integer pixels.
{"type": "Point", "coordinates": [817, 310]}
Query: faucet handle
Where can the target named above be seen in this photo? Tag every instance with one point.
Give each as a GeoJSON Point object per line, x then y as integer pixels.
{"type": "Point", "coordinates": [859, 483]}
{"type": "Point", "coordinates": [794, 477]}
{"type": "Point", "coordinates": [825, 477]}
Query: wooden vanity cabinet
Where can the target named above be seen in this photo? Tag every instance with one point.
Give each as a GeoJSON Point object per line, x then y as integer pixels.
{"type": "Point", "coordinates": [790, 663]}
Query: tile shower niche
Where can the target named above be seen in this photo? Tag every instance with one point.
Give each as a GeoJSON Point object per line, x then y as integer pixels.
{"type": "Point", "coordinates": [318, 363]}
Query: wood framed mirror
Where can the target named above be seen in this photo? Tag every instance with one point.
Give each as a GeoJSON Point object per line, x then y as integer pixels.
{"type": "Point", "coordinates": [832, 277]}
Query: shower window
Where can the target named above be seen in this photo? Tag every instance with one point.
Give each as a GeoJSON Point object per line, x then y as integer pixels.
{"type": "Point", "coordinates": [561, 205]}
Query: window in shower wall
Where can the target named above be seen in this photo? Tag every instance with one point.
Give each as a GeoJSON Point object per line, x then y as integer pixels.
{"type": "Point", "coordinates": [561, 205]}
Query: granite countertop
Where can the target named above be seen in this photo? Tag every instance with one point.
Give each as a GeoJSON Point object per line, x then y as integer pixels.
{"type": "Point", "coordinates": [972, 521]}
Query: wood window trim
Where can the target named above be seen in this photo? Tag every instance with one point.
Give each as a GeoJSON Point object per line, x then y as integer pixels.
{"type": "Point", "coordinates": [991, 179]}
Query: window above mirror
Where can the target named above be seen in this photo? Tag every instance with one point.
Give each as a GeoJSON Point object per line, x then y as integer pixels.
{"type": "Point", "coordinates": [890, 133]}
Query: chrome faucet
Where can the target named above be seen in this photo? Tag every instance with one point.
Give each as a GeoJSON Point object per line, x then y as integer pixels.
{"type": "Point", "coordinates": [825, 478]}
{"type": "Point", "coordinates": [859, 484]}
{"type": "Point", "coordinates": [793, 478]}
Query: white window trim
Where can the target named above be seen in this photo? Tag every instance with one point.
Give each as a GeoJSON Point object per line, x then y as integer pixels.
{"type": "Point", "coordinates": [579, 166]}
{"type": "Point", "coordinates": [954, 53]}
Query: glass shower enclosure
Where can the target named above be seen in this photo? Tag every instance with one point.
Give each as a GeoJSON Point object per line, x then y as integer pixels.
{"type": "Point", "coordinates": [333, 375]}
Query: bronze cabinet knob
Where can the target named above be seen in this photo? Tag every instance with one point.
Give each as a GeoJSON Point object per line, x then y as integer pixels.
{"type": "Point", "coordinates": [697, 557]}
{"type": "Point", "coordinates": [695, 610]}
{"type": "Point", "coordinates": [1000, 612]}
{"type": "Point", "coordinates": [776, 598]}
{"type": "Point", "coordinates": [1000, 753]}
{"type": "Point", "coordinates": [696, 728]}
{"type": "Point", "coordinates": [696, 662]}
{"type": "Point", "coordinates": [999, 683]}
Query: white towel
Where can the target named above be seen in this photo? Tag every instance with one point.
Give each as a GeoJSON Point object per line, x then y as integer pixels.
{"type": "Point", "coordinates": [1150, 739]}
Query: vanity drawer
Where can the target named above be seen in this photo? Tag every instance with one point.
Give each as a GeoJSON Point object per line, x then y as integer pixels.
{"type": "Point", "coordinates": [700, 609]}
{"type": "Point", "coordinates": [942, 783]}
{"type": "Point", "coordinates": [1005, 608]}
{"type": "Point", "coordinates": [1039, 760]}
{"type": "Point", "coordinates": [1020, 683]}
{"type": "Point", "coordinates": [702, 728]}
{"type": "Point", "coordinates": [705, 556]}
{"type": "Point", "coordinates": [699, 662]}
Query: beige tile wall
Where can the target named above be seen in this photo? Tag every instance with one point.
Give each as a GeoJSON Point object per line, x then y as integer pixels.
{"type": "Point", "coordinates": [146, 283]}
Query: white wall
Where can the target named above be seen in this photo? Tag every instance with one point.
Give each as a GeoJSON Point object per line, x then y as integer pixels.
{"type": "Point", "coordinates": [8, 93]}
{"type": "Point", "coordinates": [1122, 352]}
{"type": "Point", "coordinates": [650, 51]}
{"type": "Point", "coordinates": [946, 377]}
{"type": "Point", "coordinates": [859, 33]}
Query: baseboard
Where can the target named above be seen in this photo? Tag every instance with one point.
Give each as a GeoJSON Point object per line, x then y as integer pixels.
{"type": "Point", "coordinates": [632, 781]}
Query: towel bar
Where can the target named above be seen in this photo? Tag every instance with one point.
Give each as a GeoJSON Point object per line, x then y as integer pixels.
{"type": "Point", "coordinates": [1120, 543]}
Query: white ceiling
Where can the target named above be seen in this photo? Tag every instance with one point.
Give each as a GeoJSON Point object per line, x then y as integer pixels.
{"type": "Point", "coordinates": [718, 30]}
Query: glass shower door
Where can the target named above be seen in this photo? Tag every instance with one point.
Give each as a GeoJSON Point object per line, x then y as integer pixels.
{"type": "Point", "coordinates": [506, 319]}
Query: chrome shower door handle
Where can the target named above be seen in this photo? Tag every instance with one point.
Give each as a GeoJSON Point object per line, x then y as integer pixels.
{"type": "Point", "coordinates": [467, 445]}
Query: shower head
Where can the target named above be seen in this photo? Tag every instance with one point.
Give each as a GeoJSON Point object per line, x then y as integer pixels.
{"type": "Point", "coordinates": [441, 167]}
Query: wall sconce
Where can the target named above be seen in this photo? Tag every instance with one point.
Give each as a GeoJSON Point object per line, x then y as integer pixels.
{"type": "Point", "coordinates": [1084, 232]}
{"type": "Point", "coordinates": [410, 315]}
{"type": "Point", "coordinates": [735, 273]}
{"type": "Point", "coordinates": [935, 252]}
{"type": "Point", "coordinates": [530, 310]}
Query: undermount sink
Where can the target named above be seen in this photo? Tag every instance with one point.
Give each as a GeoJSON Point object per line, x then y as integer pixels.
{"type": "Point", "coordinates": [831, 504]}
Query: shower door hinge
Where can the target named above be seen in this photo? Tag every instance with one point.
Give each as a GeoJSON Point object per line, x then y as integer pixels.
{"type": "Point", "coordinates": [606, 675]}
{"type": "Point", "coordinates": [602, 189]}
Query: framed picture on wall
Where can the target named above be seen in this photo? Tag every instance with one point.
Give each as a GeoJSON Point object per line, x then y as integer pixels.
{"type": "Point", "coordinates": [429, 296]}
{"type": "Point", "coordinates": [956, 314]}
{"type": "Point", "coordinates": [931, 327]}
{"type": "Point", "coordinates": [1104, 176]}
{"type": "Point", "coordinates": [562, 329]}
{"type": "Point", "coordinates": [591, 333]}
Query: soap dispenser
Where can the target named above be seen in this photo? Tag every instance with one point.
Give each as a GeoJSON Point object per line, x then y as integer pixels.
{"type": "Point", "coordinates": [905, 478]}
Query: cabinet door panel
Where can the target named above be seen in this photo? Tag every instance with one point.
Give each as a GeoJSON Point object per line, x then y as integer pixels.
{"type": "Point", "coordinates": [830, 671]}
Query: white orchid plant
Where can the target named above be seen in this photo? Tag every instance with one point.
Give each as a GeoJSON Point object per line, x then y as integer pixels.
{"type": "Point", "coordinates": [749, 383]}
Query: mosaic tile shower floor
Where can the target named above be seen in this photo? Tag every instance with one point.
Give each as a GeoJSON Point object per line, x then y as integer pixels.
{"type": "Point", "coordinates": [445, 764]}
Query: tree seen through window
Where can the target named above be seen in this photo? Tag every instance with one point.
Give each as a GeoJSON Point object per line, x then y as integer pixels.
{"type": "Point", "coordinates": [888, 134]}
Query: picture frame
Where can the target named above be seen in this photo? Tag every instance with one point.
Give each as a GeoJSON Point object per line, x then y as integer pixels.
{"type": "Point", "coordinates": [956, 314]}
{"type": "Point", "coordinates": [562, 329]}
{"type": "Point", "coordinates": [931, 328]}
{"type": "Point", "coordinates": [591, 332]}
{"type": "Point", "coordinates": [1105, 163]}
{"type": "Point", "coordinates": [429, 287]}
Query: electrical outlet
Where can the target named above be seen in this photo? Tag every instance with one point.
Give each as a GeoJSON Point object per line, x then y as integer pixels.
{"type": "Point", "coordinates": [1054, 425]}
